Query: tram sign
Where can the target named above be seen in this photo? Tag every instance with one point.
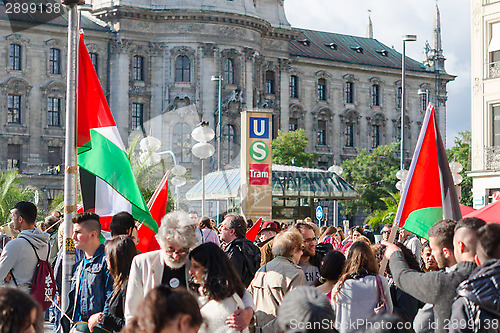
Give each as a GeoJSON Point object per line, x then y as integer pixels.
{"type": "Point", "coordinates": [319, 213]}
{"type": "Point", "coordinates": [256, 130]}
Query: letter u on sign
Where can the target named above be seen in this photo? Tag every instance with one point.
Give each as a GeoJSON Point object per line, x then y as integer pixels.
{"type": "Point", "coordinates": [259, 127]}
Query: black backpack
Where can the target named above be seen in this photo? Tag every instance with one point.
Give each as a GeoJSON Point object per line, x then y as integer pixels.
{"type": "Point", "coordinates": [252, 259]}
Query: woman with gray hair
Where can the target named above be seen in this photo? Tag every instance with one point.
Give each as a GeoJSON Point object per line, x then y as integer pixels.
{"type": "Point", "coordinates": [168, 266]}
{"type": "Point", "coordinates": [274, 279]}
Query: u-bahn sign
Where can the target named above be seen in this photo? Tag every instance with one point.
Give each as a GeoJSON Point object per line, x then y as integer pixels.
{"type": "Point", "coordinates": [256, 161]}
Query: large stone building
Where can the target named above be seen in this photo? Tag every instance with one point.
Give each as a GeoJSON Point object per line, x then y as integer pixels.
{"type": "Point", "coordinates": [156, 59]}
{"type": "Point", "coordinates": [485, 110]}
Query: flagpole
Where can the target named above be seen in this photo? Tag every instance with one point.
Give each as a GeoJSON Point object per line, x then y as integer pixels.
{"type": "Point", "coordinates": [70, 162]}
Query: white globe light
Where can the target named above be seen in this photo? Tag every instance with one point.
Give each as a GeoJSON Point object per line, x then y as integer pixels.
{"type": "Point", "coordinates": [400, 185]}
{"type": "Point", "coordinates": [336, 169]}
{"type": "Point", "coordinates": [456, 167]}
{"type": "Point", "coordinates": [178, 170]}
{"type": "Point", "coordinates": [457, 178]}
{"type": "Point", "coordinates": [178, 181]}
{"type": "Point", "coordinates": [203, 133]}
{"type": "Point", "coordinates": [203, 150]}
{"type": "Point", "coordinates": [149, 143]}
{"type": "Point", "coordinates": [149, 159]}
{"type": "Point", "coordinates": [402, 174]}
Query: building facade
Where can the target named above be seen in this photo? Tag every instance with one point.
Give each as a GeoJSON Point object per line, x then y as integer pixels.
{"type": "Point", "coordinates": [485, 106]}
{"type": "Point", "coordinates": [156, 60]}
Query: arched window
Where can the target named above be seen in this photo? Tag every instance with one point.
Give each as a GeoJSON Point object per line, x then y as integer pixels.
{"type": "Point", "coordinates": [349, 134]}
{"type": "Point", "coordinates": [229, 137]}
{"type": "Point", "coordinates": [229, 71]}
{"type": "Point", "coordinates": [375, 135]}
{"type": "Point", "coordinates": [182, 69]}
{"type": "Point", "coordinates": [322, 132]}
{"type": "Point", "coordinates": [182, 142]}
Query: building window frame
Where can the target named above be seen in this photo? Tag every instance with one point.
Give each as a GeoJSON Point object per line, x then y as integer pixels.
{"type": "Point", "coordinates": [376, 96]}
{"type": "Point", "coordinates": [13, 156]}
{"type": "Point", "coordinates": [15, 57]}
{"type": "Point", "coordinates": [321, 134]}
{"type": "Point", "coordinates": [399, 97]}
{"type": "Point", "coordinates": [54, 61]}
{"type": "Point", "coordinates": [182, 69]}
{"type": "Point", "coordinates": [349, 92]}
{"type": "Point", "coordinates": [294, 86]}
{"type": "Point", "coordinates": [375, 136]}
{"type": "Point", "coordinates": [54, 111]}
{"type": "Point", "coordinates": [182, 142]}
{"type": "Point", "coordinates": [349, 134]}
{"type": "Point", "coordinates": [137, 115]}
{"type": "Point", "coordinates": [229, 71]}
{"type": "Point", "coordinates": [322, 89]}
{"type": "Point", "coordinates": [14, 109]}
{"type": "Point", "coordinates": [94, 58]}
{"type": "Point", "coordinates": [138, 68]}
{"type": "Point", "coordinates": [270, 81]}
{"type": "Point", "coordinates": [293, 124]}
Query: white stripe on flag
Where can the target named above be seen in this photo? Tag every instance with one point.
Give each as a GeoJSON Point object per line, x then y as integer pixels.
{"type": "Point", "coordinates": [108, 202]}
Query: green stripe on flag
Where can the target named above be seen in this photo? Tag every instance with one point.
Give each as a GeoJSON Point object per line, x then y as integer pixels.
{"type": "Point", "coordinates": [419, 221]}
{"type": "Point", "coordinates": [110, 163]}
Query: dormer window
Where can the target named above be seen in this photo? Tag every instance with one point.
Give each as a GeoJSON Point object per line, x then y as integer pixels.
{"type": "Point", "coordinates": [331, 46]}
{"type": "Point", "coordinates": [304, 42]}
{"type": "Point", "coordinates": [358, 49]}
{"type": "Point", "coordinates": [384, 53]}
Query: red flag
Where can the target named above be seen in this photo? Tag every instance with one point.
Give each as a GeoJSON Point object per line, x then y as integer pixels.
{"type": "Point", "coordinates": [157, 206]}
{"type": "Point", "coordinates": [254, 230]}
{"type": "Point", "coordinates": [429, 194]}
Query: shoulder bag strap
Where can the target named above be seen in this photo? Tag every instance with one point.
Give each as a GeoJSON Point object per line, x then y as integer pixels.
{"type": "Point", "coordinates": [380, 289]}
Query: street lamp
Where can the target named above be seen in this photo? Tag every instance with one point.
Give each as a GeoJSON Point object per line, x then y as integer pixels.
{"type": "Point", "coordinates": [203, 150]}
{"type": "Point", "coordinates": [219, 124]}
{"type": "Point", "coordinates": [406, 38]}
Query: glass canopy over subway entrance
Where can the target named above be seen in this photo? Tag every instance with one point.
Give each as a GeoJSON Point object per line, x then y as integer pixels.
{"type": "Point", "coordinates": [294, 189]}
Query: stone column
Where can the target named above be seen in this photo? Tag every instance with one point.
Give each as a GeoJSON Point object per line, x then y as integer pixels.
{"type": "Point", "coordinates": [285, 93]}
{"type": "Point", "coordinates": [120, 84]}
{"type": "Point", "coordinates": [208, 87]}
{"type": "Point", "coordinates": [248, 78]}
{"type": "Point", "coordinates": [157, 87]}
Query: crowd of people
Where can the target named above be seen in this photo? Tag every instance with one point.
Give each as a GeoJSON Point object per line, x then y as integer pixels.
{"type": "Point", "coordinates": [292, 278]}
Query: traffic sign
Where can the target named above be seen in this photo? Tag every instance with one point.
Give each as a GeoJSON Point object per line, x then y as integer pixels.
{"type": "Point", "coordinates": [319, 213]}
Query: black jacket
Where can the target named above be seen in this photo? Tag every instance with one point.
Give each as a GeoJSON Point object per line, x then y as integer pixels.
{"type": "Point", "coordinates": [115, 319]}
{"type": "Point", "coordinates": [245, 257]}
{"type": "Point", "coordinates": [438, 288]}
{"type": "Point", "coordinates": [477, 308]}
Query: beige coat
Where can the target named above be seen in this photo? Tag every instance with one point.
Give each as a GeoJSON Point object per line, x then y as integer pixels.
{"type": "Point", "coordinates": [270, 284]}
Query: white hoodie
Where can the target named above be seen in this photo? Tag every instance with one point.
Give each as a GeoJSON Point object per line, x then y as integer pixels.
{"type": "Point", "coordinates": [19, 256]}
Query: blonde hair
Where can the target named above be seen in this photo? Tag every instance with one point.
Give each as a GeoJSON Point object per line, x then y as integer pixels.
{"type": "Point", "coordinates": [286, 243]}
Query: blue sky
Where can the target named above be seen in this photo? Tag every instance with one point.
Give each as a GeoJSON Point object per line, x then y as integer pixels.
{"type": "Point", "coordinates": [393, 19]}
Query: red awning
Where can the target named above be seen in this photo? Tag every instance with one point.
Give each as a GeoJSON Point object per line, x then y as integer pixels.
{"type": "Point", "coordinates": [489, 213]}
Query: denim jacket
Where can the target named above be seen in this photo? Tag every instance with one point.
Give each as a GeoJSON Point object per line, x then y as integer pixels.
{"type": "Point", "coordinates": [96, 288]}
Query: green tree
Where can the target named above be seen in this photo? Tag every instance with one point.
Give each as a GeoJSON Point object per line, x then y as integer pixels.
{"type": "Point", "coordinates": [290, 149]}
{"type": "Point", "coordinates": [374, 177]}
{"type": "Point", "coordinates": [460, 152]}
{"type": "Point", "coordinates": [12, 191]}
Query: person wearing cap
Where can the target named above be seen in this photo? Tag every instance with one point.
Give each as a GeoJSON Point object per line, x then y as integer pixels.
{"type": "Point", "coordinates": [266, 235]}
{"type": "Point", "coordinates": [306, 310]}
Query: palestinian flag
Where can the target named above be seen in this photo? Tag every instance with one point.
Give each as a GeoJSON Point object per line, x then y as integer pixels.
{"type": "Point", "coordinates": [429, 194]}
{"type": "Point", "coordinates": [157, 206]}
{"type": "Point", "coordinates": [107, 182]}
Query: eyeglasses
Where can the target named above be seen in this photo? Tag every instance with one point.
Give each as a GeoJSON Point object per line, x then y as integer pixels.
{"type": "Point", "coordinates": [386, 231]}
{"type": "Point", "coordinates": [181, 252]}
{"type": "Point", "coordinates": [310, 240]}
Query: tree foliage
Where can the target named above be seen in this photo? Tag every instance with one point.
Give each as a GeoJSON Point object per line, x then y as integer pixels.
{"type": "Point", "coordinates": [12, 191]}
{"type": "Point", "coordinates": [374, 177]}
{"type": "Point", "coordinates": [460, 152]}
{"type": "Point", "coordinates": [289, 148]}
{"type": "Point", "coordinates": [387, 215]}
